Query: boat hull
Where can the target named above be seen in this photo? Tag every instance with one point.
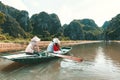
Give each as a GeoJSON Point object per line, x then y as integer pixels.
{"type": "Point", "coordinates": [34, 59]}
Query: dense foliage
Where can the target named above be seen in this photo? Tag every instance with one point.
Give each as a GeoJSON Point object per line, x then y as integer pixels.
{"type": "Point", "coordinates": [12, 27]}
{"type": "Point", "coordinates": [113, 29]}
{"type": "Point", "coordinates": [85, 29]}
{"type": "Point", "coordinates": [74, 31]}
{"type": "Point", "coordinates": [16, 24]}
{"type": "Point", "coordinates": [2, 18]}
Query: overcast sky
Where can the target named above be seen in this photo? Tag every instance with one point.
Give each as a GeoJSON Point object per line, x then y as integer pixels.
{"type": "Point", "coordinates": [67, 10]}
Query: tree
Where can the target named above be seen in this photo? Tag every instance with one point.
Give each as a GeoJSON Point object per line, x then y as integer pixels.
{"type": "Point", "coordinates": [2, 18]}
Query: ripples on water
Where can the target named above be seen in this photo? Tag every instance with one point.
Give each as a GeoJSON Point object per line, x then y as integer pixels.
{"type": "Point", "coordinates": [101, 62]}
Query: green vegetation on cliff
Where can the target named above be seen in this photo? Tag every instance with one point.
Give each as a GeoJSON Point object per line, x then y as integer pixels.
{"type": "Point", "coordinates": [16, 24]}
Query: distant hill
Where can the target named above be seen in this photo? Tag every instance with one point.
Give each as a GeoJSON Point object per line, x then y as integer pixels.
{"type": "Point", "coordinates": [85, 29]}
{"type": "Point", "coordinates": [112, 31]}
{"type": "Point", "coordinates": [105, 25]}
{"type": "Point", "coordinates": [45, 24]}
{"type": "Point", "coordinates": [17, 24]}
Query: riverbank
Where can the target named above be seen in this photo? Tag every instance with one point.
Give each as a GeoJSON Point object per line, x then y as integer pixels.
{"type": "Point", "coordinates": [6, 47]}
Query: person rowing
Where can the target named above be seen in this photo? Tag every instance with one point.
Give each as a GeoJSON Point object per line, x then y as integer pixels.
{"type": "Point", "coordinates": [54, 46]}
{"type": "Point", "coordinates": [33, 47]}
{"type": "Point", "coordinates": [54, 49]}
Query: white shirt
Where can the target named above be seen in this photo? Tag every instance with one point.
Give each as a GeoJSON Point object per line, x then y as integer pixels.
{"type": "Point", "coordinates": [29, 48]}
{"type": "Point", "coordinates": [50, 47]}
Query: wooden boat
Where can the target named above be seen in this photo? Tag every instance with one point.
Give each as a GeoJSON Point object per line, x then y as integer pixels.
{"type": "Point", "coordinates": [44, 56]}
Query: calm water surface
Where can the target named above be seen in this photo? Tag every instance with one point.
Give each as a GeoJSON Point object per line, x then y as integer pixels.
{"type": "Point", "coordinates": [101, 62]}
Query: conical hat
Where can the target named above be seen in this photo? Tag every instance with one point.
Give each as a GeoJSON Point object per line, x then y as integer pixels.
{"type": "Point", "coordinates": [56, 40]}
{"type": "Point", "coordinates": [35, 38]}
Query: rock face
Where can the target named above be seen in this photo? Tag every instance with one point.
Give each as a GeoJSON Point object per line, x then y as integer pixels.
{"type": "Point", "coordinates": [105, 25]}
{"type": "Point", "coordinates": [20, 16]}
{"type": "Point", "coordinates": [113, 30]}
{"type": "Point", "coordinates": [44, 22]}
{"type": "Point", "coordinates": [12, 27]}
{"type": "Point", "coordinates": [88, 23]}
{"type": "Point", "coordinates": [85, 29]}
{"type": "Point", "coordinates": [91, 30]}
{"type": "Point", "coordinates": [16, 20]}
{"type": "Point", "coordinates": [24, 21]}
{"type": "Point", "coordinates": [74, 31]}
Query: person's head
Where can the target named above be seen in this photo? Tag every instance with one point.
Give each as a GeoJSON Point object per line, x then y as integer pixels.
{"type": "Point", "coordinates": [35, 39]}
{"type": "Point", "coordinates": [56, 40]}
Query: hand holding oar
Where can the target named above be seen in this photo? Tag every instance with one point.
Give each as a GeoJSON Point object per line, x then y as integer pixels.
{"type": "Point", "coordinates": [68, 57]}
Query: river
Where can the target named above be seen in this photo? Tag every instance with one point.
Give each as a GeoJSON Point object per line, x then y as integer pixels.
{"type": "Point", "coordinates": [101, 62]}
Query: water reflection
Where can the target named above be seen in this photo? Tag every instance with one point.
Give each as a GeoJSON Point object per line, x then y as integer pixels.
{"type": "Point", "coordinates": [69, 64]}
{"type": "Point", "coordinates": [101, 62]}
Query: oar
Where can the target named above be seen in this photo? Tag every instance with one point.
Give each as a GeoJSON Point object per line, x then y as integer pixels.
{"type": "Point", "coordinates": [68, 57]}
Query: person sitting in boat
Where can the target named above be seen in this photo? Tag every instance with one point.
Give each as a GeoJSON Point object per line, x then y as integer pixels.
{"type": "Point", "coordinates": [33, 47]}
{"type": "Point", "coordinates": [54, 46]}
{"type": "Point", "coordinates": [50, 46]}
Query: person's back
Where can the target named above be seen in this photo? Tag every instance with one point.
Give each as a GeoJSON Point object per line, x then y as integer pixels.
{"type": "Point", "coordinates": [29, 49]}
{"type": "Point", "coordinates": [33, 46]}
{"type": "Point", "coordinates": [50, 47]}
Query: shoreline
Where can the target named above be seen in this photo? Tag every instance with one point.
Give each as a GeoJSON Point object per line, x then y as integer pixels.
{"type": "Point", "coordinates": [8, 47]}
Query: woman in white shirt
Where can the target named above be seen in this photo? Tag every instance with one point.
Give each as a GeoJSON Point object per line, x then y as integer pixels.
{"type": "Point", "coordinates": [33, 47]}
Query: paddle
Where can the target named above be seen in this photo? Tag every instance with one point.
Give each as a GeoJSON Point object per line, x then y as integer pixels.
{"type": "Point", "coordinates": [68, 57]}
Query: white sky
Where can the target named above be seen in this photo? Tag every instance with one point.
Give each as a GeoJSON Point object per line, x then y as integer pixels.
{"type": "Point", "coordinates": [68, 10]}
